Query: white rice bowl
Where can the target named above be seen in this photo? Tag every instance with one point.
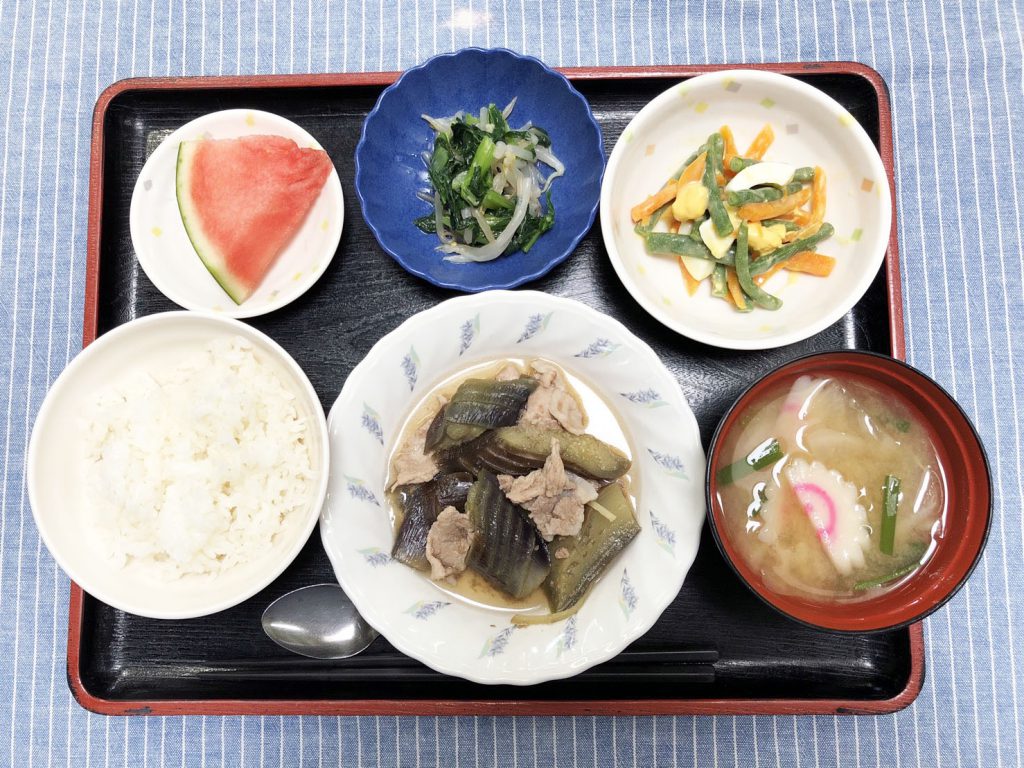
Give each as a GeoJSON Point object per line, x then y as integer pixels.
{"type": "Point", "coordinates": [196, 468]}
{"type": "Point", "coordinates": [178, 465]}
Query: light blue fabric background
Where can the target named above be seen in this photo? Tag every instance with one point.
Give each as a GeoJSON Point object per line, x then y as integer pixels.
{"type": "Point", "coordinates": [954, 70]}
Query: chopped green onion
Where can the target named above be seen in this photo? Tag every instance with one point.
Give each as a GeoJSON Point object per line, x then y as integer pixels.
{"type": "Point", "coordinates": [899, 573]}
{"type": "Point", "coordinates": [766, 454]}
{"type": "Point", "coordinates": [890, 504]}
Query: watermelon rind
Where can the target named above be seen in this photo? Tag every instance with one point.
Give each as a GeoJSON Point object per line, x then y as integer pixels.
{"type": "Point", "coordinates": [206, 250]}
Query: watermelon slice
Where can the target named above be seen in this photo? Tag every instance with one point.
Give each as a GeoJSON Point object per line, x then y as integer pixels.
{"type": "Point", "coordinates": [242, 201]}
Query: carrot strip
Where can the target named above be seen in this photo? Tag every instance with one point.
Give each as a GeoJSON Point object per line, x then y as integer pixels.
{"type": "Point", "coordinates": [818, 197]}
{"type": "Point", "coordinates": [668, 193]}
{"type": "Point", "coordinates": [727, 297]}
{"type": "Point", "coordinates": [734, 289]}
{"type": "Point", "coordinates": [774, 208]}
{"type": "Point", "coordinates": [730, 148]}
{"type": "Point", "coordinates": [673, 225]}
{"type": "Point", "coordinates": [691, 284]}
{"type": "Point", "coordinates": [810, 263]}
{"type": "Point", "coordinates": [665, 195]}
{"type": "Point", "coordinates": [761, 142]}
{"type": "Point", "coordinates": [693, 171]}
{"type": "Point", "coordinates": [798, 216]}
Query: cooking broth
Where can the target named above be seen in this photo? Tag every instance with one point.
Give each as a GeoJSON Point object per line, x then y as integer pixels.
{"type": "Point", "coordinates": [602, 423]}
{"type": "Point", "coordinates": [811, 520]}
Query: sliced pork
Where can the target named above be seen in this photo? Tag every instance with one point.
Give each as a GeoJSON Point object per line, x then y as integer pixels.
{"type": "Point", "coordinates": [553, 497]}
{"type": "Point", "coordinates": [448, 543]}
{"type": "Point", "coordinates": [552, 404]}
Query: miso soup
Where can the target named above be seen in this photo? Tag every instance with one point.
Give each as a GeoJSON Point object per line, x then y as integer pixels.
{"type": "Point", "coordinates": [831, 490]}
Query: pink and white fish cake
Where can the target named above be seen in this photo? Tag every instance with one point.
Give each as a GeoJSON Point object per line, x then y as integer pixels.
{"type": "Point", "coordinates": [831, 505]}
{"type": "Point", "coordinates": [792, 415]}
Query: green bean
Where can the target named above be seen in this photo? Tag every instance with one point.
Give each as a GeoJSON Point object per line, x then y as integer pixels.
{"type": "Point", "coordinates": [762, 194]}
{"type": "Point", "coordinates": [737, 163]}
{"type": "Point", "coordinates": [759, 195]}
{"type": "Point", "coordinates": [702, 148]}
{"type": "Point", "coordinates": [723, 224]}
{"type": "Point", "coordinates": [684, 245]}
{"type": "Point", "coordinates": [719, 285]}
{"type": "Point", "coordinates": [770, 259]}
{"type": "Point", "coordinates": [803, 174]}
{"type": "Point", "coordinates": [791, 226]}
{"type": "Point", "coordinates": [738, 198]}
{"type": "Point", "coordinates": [743, 302]}
{"type": "Point", "coordinates": [694, 232]}
{"type": "Point", "coordinates": [890, 505]}
{"type": "Point", "coordinates": [759, 296]}
{"type": "Point", "coordinates": [680, 245]}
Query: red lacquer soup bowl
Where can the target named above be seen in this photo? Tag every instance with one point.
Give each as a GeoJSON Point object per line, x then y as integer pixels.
{"type": "Point", "coordinates": [968, 494]}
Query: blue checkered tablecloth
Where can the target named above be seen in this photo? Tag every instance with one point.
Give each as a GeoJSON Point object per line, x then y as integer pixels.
{"type": "Point", "coordinates": [954, 71]}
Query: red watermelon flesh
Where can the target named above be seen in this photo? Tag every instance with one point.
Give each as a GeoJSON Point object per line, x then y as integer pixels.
{"type": "Point", "coordinates": [242, 201]}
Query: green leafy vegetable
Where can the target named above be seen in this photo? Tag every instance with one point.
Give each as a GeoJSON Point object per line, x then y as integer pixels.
{"type": "Point", "coordinates": [490, 193]}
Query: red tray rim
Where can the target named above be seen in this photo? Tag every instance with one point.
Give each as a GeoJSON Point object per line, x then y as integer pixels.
{"type": "Point", "coordinates": [523, 706]}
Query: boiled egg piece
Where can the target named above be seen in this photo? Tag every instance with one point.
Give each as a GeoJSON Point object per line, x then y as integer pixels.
{"type": "Point", "coordinates": [719, 246]}
{"type": "Point", "coordinates": [698, 268]}
{"type": "Point", "coordinates": [758, 174]}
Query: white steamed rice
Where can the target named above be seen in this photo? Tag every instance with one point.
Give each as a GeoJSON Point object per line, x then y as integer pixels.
{"type": "Point", "coordinates": [196, 468]}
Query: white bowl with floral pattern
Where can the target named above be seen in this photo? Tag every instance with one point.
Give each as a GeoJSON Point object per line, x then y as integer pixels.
{"type": "Point", "coordinates": [460, 638]}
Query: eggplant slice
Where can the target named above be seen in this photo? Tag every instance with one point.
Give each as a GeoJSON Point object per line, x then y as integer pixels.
{"type": "Point", "coordinates": [476, 406]}
{"type": "Point", "coordinates": [507, 550]}
{"type": "Point", "coordinates": [421, 504]}
{"type": "Point", "coordinates": [590, 553]}
{"type": "Point", "coordinates": [520, 450]}
{"type": "Point", "coordinates": [453, 490]}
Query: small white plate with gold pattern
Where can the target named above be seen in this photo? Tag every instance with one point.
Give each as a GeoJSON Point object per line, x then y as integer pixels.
{"type": "Point", "coordinates": [811, 129]}
{"type": "Point", "coordinates": [166, 254]}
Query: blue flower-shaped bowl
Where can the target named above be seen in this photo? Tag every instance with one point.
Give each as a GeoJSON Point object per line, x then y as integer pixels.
{"type": "Point", "coordinates": [390, 169]}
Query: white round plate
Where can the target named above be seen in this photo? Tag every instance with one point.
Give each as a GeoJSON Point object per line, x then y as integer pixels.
{"type": "Point", "coordinates": [57, 466]}
{"type": "Point", "coordinates": [810, 129]}
{"type": "Point", "coordinates": [479, 643]}
{"type": "Point", "coordinates": [166, 254]}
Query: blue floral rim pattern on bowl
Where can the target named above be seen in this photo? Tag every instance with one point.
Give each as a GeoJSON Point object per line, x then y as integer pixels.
{"type": "Point", "coordinates": [390, 169]}
{"type": "Point", "coordinates": [442, 629]}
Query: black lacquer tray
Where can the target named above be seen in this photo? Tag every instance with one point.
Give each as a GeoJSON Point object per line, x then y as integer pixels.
{"type": "Point", "coordinates": [717, 649]}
